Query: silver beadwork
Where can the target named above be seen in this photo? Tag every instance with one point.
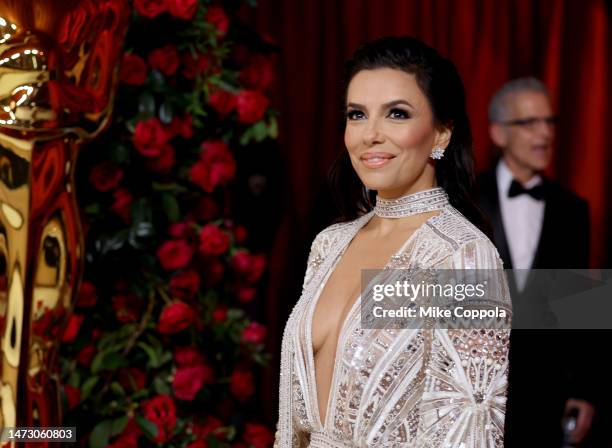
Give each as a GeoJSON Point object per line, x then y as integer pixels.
{"type": "Point", "coordinates": [419, 202]}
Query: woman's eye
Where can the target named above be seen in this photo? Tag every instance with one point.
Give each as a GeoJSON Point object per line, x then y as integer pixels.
{"type": "Point", "coordinates": [398, 114]}
{"type": "Point", "coordinates": [354, 115]}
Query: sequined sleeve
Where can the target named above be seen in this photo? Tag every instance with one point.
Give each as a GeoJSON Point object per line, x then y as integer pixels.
{"type": "Point", "coordinates": [466, 379]}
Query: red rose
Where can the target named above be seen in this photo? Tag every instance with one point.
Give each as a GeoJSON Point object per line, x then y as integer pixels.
{"type": "Point", "coordinates": [257, 268]}
{"type": "Point", "coordinates": [123, 201]}
{"type": "Point", "coordinates": [188, 357]}
{"type": "Point", "coordinates": [259, 74]}
{"type": "Point", "coordinates": [175, 317]}
{"type": "Point", "coordinates": [216, 16]}
{"type": "Point", "coordinates": [214, 272]}
{"type": "Point", "coordinates": [87, 296]}
{"type": "Point", "coordinates": [211, 425]}
{"type": "Point", "coordinates": [72, 328]}
{"type": "Point", "coordinates": [208, 209]}
{"type": "Point", "coordinates": [246, 294]}
{"type": "Point", "coordinates": [189, 380]}
{"type": "Point", "coordinates": [250, 267]}
{"type": "Point", "coordinates": [222, 101]}
{"type": "Point", "coordinates": [195, 65]}
{"type": "Point", "coordinates": [85, 356]}
{"type": "Point", "coordinates": [174, 254]}
{"type": "Point", "coordinates": [181, 126]}
{"type": "Point", "coordinates": [133, 70]}
{"type": "Point", "coordinates": [185, 285]}
{"type": "Point", "coordinates": [165, 160]}
{"type": "Point", "coordinates": [105, 176]}
{"type": "Point", "coordinates": [198, 444]}
{"type": "Point", "coordinates": [241, 262]}
{"type": "Point", "coordinates": [127, 307]}
{"type": "Point", "coordinates": [215, 167]}
{"type": "Point", "coordinates": [179, 230]}
{"type": "Point", "coordinates": [161, 410]}
{"type": "Point", "coordinates": [132, 379]}
{"type": "Point", "coordinates": [165, 59]}
{"type": "Point", "coordinates": [240, 234]}
{"type": "Point", "coordinates": [73, 395]}
{"type": "Point", "coordinates": [122, 441]}
{"type": "Point", "coordinates": [182, 9]}
{"type": "Point", "coordinates": [149, 136]}
{"type": "Point", "coordinates": [254, 333]}
{"type": "Point", "coordinates": [150, 8]}
{"type": "Point", "coordinates": [241, 384]}
{"type": "Point", "coordinates": [258, 435]}
{"type": "Point", "coordinates": [251, 106]}
{"type": "Point", "coordinates": [220, 314]}
{"type": "Point", "coordinates": [213, 241]}
{"type": "Point", "coordinates": [129, 436]}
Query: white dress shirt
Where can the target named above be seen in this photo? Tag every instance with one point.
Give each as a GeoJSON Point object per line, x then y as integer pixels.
{"type": "Point", "coordinates": [522, 217]}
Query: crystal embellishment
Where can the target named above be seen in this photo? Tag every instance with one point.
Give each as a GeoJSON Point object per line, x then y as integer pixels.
{"type": "Point", "coordinates": [412, 204]}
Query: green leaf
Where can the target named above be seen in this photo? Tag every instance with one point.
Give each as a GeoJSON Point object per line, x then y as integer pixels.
{"type": "Point", "coordinates": [153, 358]}
{"type": "Point", "coordinates": [146, 104]}
{"type": "Point", "coordinates": [148, 427]}
{"type": "Point", "coordinates": [260, 131]}
{"type": "Point", "coordinates": [273, 128]}
{"type": "Point", "coordinates": [100, 434]}
{"type": "Point", "coordinates": [119, 153]}
{"type": "Point", "coordinates": [108, 361]}
{"type": "Point", "coordinates": [92, 209]}
{"type": "Point", "coordinates": [234, 313]}
{"type": "Point", "coordinates": [118, 425]}
{"type": "Point", "coordinates": [171, 207]}
{"type": "Point", "coordinates": [246, 136]}
{"type": "Point", "coordinates": [75, 378]}
{"type": "Point", "coordinates": [117, 389]}
{"type": "Point", "coordinates": [161, 387]}
{"type": "Point", "coordinates": [88, 387]}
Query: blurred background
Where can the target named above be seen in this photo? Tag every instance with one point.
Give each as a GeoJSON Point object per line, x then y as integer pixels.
{"type": "Point", "coordinates": [565, 43]}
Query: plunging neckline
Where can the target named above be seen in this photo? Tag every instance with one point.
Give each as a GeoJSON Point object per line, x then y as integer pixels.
{"type": "Point", "coordinates": [340, 341]}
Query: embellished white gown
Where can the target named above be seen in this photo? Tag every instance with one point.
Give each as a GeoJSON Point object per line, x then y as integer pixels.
{"type": "Point", "coordinates": [398, 388]}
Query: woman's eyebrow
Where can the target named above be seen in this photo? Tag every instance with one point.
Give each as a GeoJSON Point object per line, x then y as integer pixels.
{"type": "Point", "coordinates": [384, 106]}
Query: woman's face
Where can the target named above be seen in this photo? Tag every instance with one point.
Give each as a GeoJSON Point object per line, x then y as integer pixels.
{"type": "Point", "coordinates": [390, 132]}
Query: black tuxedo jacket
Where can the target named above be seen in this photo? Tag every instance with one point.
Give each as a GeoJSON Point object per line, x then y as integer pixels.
{"type": "Point", "coordinates": [564, 241]}
{"type": "Point", "coordinates": [546, 366]}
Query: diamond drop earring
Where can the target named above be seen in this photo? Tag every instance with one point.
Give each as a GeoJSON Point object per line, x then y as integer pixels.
{"type": "Point", "coordinates": [437, 153]}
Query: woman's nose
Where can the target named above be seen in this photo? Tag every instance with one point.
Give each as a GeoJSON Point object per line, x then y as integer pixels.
{"type": "Point", "coordinates": [372, 133]}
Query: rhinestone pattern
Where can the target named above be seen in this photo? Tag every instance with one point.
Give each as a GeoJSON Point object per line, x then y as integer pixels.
{"type": "Point", "coordinates": [419, 202]}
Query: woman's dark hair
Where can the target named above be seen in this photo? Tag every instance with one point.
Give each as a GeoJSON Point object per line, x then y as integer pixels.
{"type": "Point", "coordinates": [438, 79]}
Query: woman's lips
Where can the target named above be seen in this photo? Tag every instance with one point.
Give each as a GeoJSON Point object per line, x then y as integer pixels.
{"type": "Point", "coordinates": [376, 159]}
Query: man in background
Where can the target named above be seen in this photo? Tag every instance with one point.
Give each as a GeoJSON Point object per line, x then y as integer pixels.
{"type": "Point", "coordinates": [537, 224]}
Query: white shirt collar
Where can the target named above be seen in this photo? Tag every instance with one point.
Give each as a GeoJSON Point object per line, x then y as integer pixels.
{"type": "Point", "coordinates": [505, 177]}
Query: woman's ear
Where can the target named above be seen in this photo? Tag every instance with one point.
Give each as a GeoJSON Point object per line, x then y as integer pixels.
{"type": "Point", "coordinates": [443, 137]}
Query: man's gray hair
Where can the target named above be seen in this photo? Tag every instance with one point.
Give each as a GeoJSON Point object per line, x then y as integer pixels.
{"type": "Point", "coordinates": [497, 106]}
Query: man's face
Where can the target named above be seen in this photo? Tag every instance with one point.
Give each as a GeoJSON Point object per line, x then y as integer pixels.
{"type": "Point", "coordinates": [527, 134]}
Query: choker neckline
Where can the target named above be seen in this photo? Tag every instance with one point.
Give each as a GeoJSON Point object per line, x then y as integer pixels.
{"type": "Point", "coordinates": [411, 204]}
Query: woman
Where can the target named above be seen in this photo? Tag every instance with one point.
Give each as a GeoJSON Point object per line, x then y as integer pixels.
{"type": "Point", "coordinates": [407, 137]}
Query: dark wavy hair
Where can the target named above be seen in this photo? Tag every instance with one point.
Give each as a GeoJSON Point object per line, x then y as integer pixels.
{"type": "Point", "coordinates": [437, 77]}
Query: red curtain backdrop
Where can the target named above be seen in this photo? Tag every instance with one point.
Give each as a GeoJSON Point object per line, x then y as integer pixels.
{"type": "Point", "coordinates": [565, 43]}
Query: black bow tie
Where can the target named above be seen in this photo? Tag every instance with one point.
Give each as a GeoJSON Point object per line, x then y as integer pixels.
{"type": "Point", "coordinates": [517, 189]}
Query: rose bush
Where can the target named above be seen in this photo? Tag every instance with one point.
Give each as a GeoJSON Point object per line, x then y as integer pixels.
{"type": "Point", "coordinates": [160, 350]}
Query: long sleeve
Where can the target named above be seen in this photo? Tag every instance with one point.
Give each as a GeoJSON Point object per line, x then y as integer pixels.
{"type": "Point", "coordinates": [464, 400]}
